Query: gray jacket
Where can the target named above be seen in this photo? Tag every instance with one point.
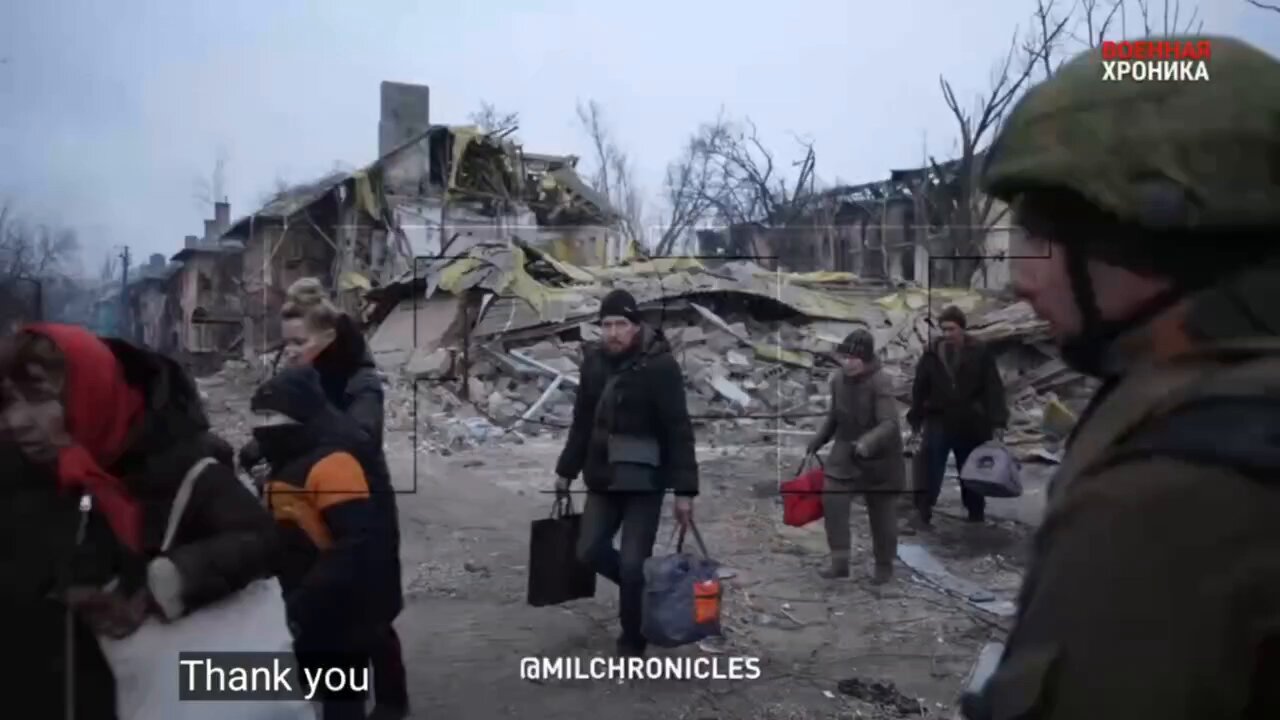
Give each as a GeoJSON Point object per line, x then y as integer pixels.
{"type": "Point", "coordinates": [864, 412]}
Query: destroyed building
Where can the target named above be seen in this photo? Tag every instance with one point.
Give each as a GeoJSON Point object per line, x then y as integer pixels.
{"type": "Point", "coordinates": [205, 294]}
{"type": "Point", "coordinates": [496, 336]}
{"type": "Point", "coordinates": [479, 269]}
{"type": "Point", "coordinates": [433, 191]}
{"type": "Point", "coordinates": [151, 321]}
{"type": "Point", "coordinates": [885, 229]}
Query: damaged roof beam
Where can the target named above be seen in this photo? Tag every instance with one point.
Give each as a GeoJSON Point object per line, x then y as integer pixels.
{"type": "Point", "coordinates": [571, 379]}
{"type": "Point", "coordinates": [534, 408]}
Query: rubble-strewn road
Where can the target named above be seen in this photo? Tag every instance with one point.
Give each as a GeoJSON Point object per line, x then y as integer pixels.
{"type": "Point", "coordinates": [466, 624]}
{"type": "Point", "coordinates": [465, 524]}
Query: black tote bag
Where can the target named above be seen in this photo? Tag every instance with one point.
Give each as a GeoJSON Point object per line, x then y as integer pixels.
{"type": "Point", "coordinates": [555, 574]}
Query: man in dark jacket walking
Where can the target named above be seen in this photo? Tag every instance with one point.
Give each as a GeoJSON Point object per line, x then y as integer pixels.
{"type": "Point", "coordinates": [631, 439]}
{"type": "Point", "coordinates": [958, 402]}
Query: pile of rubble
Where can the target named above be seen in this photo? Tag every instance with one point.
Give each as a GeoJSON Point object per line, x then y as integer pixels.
{"type": "Point", "coordinates": [484, 345]}
{"type": "Point", "coordinates": [756, 346]}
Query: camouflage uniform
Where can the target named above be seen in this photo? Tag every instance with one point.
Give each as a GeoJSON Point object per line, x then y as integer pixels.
{"type": "Point", "coordinates": [1154, 589]}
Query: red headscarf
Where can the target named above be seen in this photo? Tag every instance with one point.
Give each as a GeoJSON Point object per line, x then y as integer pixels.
{"type": "Point", "coordinates": [101, 409]}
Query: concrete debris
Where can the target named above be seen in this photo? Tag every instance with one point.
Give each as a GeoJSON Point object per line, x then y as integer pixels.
{"type": "Point", "coordinates": [882, 694]}
{"type": "Point", "coordinates": [757, 365]}
{"type": "Point", "coordinates": [933, 573]}
{"type": "Point", "coordinates": [434, 365]}
{"type": "Point", "coordinates": [730, 391]}
{"type": "Point", "coordinates": [984, 667]}
{"type": "Point", "coordinates": [502, 327]}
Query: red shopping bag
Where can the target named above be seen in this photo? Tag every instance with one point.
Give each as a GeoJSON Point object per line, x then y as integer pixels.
{"type": "Point", "coordinates": [802, 495]}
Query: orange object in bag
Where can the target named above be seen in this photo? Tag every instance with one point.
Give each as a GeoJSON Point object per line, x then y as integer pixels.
{"type": "Point", "coordinates": [706, 601]}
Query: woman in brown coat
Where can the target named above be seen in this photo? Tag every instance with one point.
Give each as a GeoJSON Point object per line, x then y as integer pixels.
{"type": "Point", "coordinates": [865, 458]}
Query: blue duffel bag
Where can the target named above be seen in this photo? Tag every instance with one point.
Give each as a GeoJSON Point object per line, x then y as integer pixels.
{"type": "Point", "coordinates": [681, 596]}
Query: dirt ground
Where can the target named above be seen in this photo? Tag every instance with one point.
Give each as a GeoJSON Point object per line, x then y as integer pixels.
{"type": "Point", "coordinates": [465, 527]}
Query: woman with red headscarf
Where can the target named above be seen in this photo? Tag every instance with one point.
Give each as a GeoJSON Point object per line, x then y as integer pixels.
{"type": "Point", "coordinates": [96, 435]}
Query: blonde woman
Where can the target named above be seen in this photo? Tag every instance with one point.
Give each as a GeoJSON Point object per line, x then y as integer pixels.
{"type": "Point", "coordinates": [320, 335]}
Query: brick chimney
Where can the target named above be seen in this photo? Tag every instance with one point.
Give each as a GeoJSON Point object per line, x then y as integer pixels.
{"type": "Point", "coordinates": [222, 216]}
{"type": "Point", "coordinates": [405, 114]}
{"type": "Point", "coordinates": [157, 261]}
{"type": "Point", "coordinates": [190, 241]}
{"type": "Point", "coordinates": [210, 232]}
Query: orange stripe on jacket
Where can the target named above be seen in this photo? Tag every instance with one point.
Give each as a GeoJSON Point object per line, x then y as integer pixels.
{"type": "Point", "coordinates": [335, 479]}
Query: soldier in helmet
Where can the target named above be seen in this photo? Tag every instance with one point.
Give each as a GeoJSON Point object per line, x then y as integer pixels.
{"type": "Point", "coordinates": [1152, 247]}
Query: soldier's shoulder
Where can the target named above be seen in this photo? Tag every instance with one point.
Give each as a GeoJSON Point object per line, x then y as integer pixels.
{"type": "Point", "coordinates": [1240, 433]}
{"type": "Point", "coordinates": [1168, 500]}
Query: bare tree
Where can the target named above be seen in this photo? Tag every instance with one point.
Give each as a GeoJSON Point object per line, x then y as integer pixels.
{"type": "Point", "coordinates": [686, 188]}
{"type": "Point", "coordinates": [33, 252]}
{"type": "Point", "coordinates": [1097, 21]}
{"type": "Point", "coordinates": [967, 215]}
{"type": "Point", "coordinates": [493, 121]}
{"type": "Point", "coordinates": [613, 175]}
{"type": "Point", "coordinates": [737, 182]}
{"type": "Point", "coordinates": [1170, 19]}
{"type": "Point", "coordinates": [1264, 6]}
{"type": "Point", "coordinates": [746, 184]}
{"type": "Point", "coordinates": [1047, 34]}
{"type": "Point", "coordinates": [213, 189]}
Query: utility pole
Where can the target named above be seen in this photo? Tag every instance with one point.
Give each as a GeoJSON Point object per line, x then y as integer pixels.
{"type": "Point", "coordinates": [125, 328]}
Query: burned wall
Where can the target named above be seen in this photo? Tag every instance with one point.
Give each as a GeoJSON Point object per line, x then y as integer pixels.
{"type": "Point", "coordinates": [275, 257]}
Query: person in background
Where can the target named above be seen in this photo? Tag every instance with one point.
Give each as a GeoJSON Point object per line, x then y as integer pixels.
{"type": "Point", "coordinates": [958, 402]}
{"type": "Point", "coordinates": [631, 389]}
{"type": "Point", "coordinates": [866, 457]}
{"type": "Point", "coordinates": [338, 556]}
{"type": "Point", "coordinates": [96, 435]}
{"type": "Point", "coordinates": [320, 335]}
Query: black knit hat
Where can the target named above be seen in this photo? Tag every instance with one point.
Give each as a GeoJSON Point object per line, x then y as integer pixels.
{"type": "Point", "coordinates": [294, 392]}
{"type": "Point", "coordinates": [859, 344]}
{"type": "Point", "coordinates": [951, 313]}
{"type": "Point", "coordinates": [620, 303]}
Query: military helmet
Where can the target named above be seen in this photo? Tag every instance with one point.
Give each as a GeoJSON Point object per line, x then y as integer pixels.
{"type": "Point", "coordinates": [1170, 155]}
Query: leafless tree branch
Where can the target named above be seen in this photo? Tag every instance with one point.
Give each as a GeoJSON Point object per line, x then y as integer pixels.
{"type": "Point", "coordinates": [1264, 6]}
{"type": "Point", "coordinates": [614, 175]}
{"type": "Point", "coordinates": [33, 252]}
{"type": "Point", "coordinates": [213, 189]}
{"type": "Point", "coordinates": [686, 188]}
{"type": "Point", "coordinates": [494, 121]}
{"type": "Point", "coordinates": [748, 188]}
{"type": "Point", "coordinates": [953, 194]}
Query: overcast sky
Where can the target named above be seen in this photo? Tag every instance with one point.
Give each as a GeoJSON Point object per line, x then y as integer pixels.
{"type": "Point", "coordinates": [112, 111]}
